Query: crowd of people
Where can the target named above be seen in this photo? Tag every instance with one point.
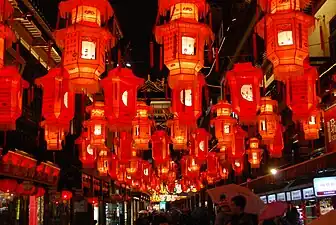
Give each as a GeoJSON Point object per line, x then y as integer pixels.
{"type": "Point", "coordinates": [228, 213]}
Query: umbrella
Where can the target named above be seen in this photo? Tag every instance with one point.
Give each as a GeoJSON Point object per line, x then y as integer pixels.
{"type": "Point", "coordinates": [254, 204]}
{"type": "Point", "coordinates": [273, 210]}
{"type": "Point", "coordinates": [326, 219]}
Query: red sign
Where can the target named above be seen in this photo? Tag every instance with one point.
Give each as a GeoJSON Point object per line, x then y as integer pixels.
{"type": "Point", "coordinates": [330, 128]}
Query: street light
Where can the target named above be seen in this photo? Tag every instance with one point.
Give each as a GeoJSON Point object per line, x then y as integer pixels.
{"type": "Point", "coordinates": [274, 171]}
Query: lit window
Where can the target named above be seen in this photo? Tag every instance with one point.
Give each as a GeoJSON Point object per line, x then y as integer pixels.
{"type": "Point", "coordinates": [88, 50]}
{"type": "Point", "coordinates": [146, 172]}
{"type": "Point", "coordinates": [285, 38]}
{"type": "Point", "coordinates": [137, 130]}
{"type": "Point", "coordinates": [186, 97]}
{"type": "Point", "coordinates": [312, 120]}
{"type": "Point", "coordinates": [188, 46]}
{"type": "Point", "coordinates": [184, 10]}
{"type": "Point", "coordinates": [97, 129]}
{"type": "Point", "coordinates": [263, 125]}
{"type": "Point", "coordinates": [226, 129]}
{"type": "Point", "coordinates": [124, 97]}
{"type": "Point", "coordinates": [86, 14]}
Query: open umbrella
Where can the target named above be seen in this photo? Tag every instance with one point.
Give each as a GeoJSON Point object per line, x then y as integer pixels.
{"type": "Point", "coordinates": [273, 210]}
{"type": "Point", "coordinates": [254, 204]}
{"type": "Point", "coordinates": [326, 219]}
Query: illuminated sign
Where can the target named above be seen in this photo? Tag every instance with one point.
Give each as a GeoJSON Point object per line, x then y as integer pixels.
{"type": "Point", "coordinates": [325, 186]}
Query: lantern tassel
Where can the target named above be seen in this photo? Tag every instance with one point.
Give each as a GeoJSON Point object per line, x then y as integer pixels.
{"type": "Point", "coordinates": [151, 54]}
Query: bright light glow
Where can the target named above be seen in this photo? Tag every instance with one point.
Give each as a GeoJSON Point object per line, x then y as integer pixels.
{"type": "Point", "coordinates": [226, 129]}
{"type": "Point", "coordinates": [124, 98]}
{"type": "Point", "coordinates": [188, 46]}
{"type": "Point", "coordinates": [201, 146]}
{"type": "Point", "coordinates": [246, 92]}
{"type": "Point", "coordinates": [88, 50]}
{"type": "Point", "coordinates": [234, 19]}
{"type": "Point", "coordinates": [97, 129]}
{"type": "Point", "coordinates": [285, 38]}
{"type": "Point", "coordinates": [89, 150]}
{"type": "Point", "coordinates": [186, 97]}
{"type": "Point", "coordinates": [128, 65]}
{"type": "Point", "coordinates": [274, 171]}
{"type": "Point", "coordinates": [66, 99]}
{"type": "Point", "coordinates": [312, 120]}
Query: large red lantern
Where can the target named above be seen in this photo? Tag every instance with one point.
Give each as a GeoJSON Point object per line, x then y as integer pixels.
{"type": "Point", "coordinates": [57, 107]}
{"type": "Point", "coordinates": [312, 125]}
{"type": "Point", "coordinates": [268, 119]}
{"type": "Point", "coordinates": [85, 42]}
{"type": "Point", "coordinates": [183, 39]}
{"type": "Point", "coordinates": [87, 154]}
{"type": "Point", "coordinates": [199, 144]}
{"type": "Point", "coordinates": [142, 126]}
{"type": "Point", "coordinates": [160, 147]}
{"type": "Point", "coordinates": [286, 34]}
{"type": "Point", "coordinates": [224, 124]}
{"type": "Point", "coordinates": [275, 148]}
{"type": "Point", "coordinates": [179, 134]}
{"type": "Point", "coordinates": [124, 150]}
{"type": "Point", "coordinates": [301, 93]}
{"type": "Point", "coordinates": [120, 92]}
{"type": "Point", "coordinates": [212, 164]}
{"type": "Point", "coordinates": [11, 91]}
{"type": "Point", "coordinates": [96, 125]}
{"type": "Point", "coordinates": [103, 161]}
{"type": "Point", "coordinates": [187, 100]}
{"type": "Point", "coordinates": [254, 153]}
{"type": "Point", "coordinates": [244, 81]}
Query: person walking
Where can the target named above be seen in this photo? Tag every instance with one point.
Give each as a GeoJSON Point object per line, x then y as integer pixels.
{"type": "Point", "coordinates": [239, 217]}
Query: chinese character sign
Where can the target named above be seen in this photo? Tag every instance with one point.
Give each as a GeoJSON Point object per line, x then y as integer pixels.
{"type": "Point", "coordinates": [330, 128]}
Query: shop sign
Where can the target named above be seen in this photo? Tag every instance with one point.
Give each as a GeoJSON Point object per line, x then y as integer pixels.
{"type": "Point", "coordinates": [325, 186]}
{"type": "Point", "coordinates": [308, 193]}
{"type": "Point", "coordinates": [296, 195]}
{"type": "Point", "coordinates": [264, 199]}
{"type": "Point", "coordinates": [271, 198]}
{"type": "Point", "coordinates": [288, 196]}
{"type": "Point", "coordinates": [281, 197]}
{"type": "Point", "coordinates": [330, 128]}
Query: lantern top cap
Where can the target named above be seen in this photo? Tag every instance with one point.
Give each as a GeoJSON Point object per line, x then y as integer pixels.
{"type": "Point", "coordinates": [55, 74]}
{"type": "Point", "coordinates": [245, 67]}
{"type": "Point", "coordinates": [273, 6]}
{"type": "Point", "coordinates": [123, 75]}
{"type": "Point", "coordinates": [141, 105]}
{"type": "Point", "coordinates": [222, 104]}
{"type": "Point", "coordinates": [268, 101]}
{"type": "Point", "coordinates": [165, 5]}
{"type": "Point", "coordinates": [103, 6]}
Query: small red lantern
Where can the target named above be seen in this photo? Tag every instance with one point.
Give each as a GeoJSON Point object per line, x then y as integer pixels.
{"type": "Point", "coordinates": [199, 144]}
{"type": "Point", "coordinates": [87, 153]}
{"type": "Point", "coordinates": [179, 134]}
{"type": "Point", "coordinates": [254, 153]}
{"type": "Point", "coordinates": [190, 167]}
{"type": "Point", "coordinates": [125, 151]}
{"type": "Point", "coordinates": [286, 35]}
{"type": "Point", "coordinates": [114, 167]}
{"type": "Point", "coordinates": [93, 200]}
{"type": "Point", "coordinates": [312, 125]}
{"type": "Point", "coordinates": [244, 81]}
{"type": "Point", "coordinates": [268, 119]}
{"type": "Point", "coordinates": [8, 185]}
{"type": "Point", "coordinates": [187, 100]}
{"type": "Point", "coordinates": [160, 147]}
{"type": "Point", "coordinates": [96, 125]}
{"type": "Point", "coordinates": [301, 93]}
{"type": "Point", "coordinates": [133, 168]}
{"type": "Point", "coordinates": [103, 161]}
{"type": "Point", "coordinates": [66, 195]}
{"type": "Point", "coordinates": [146, 171]}
{"type": "Point", "coordinates": [142, 126]}
{"type": "Point", "coordinates": [164, 169]}
{"type": "Point", "coordinates": [275, 148]}
{"type": "Point", "coordinates": [85, 42]}
{"type": "Point", "coordinates": [238, 166]}
{"type": "Point", "coordinates": [183, 39]}
{"type": "Point", "coordinates": [224, 172]}
{"type": "Point", "coordinates": [11, 91]}
{"type": "Point", "coordinates": [238, 146]}
{"type": "Point", "coordinates": [212, 162]}
{"type": "Point", "coordinates": [120, 91]}
{"type": "Point", "coordinates": [224, 124]}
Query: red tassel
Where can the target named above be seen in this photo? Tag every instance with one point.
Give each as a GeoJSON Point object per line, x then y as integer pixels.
{"type": "Point", "coordinates": [217, 60]}
{"type": "Point", "coordinates": [161, 57]}
{"type": "Point", "coordinates": [151, 54]}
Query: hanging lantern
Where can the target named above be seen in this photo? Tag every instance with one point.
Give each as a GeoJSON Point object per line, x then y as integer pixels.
{"type": "Point", "coordinates": [183, 39]}
{"type": "Point", "coordinates": [164, 168]}
{"type": "Point", "coordinates": [286, 34]}
{"type": "Point", "coordinates": [85, 42]}
{"type": "Point", "coordinates": [155, 183]}
{"type": "Point", "coordinates": [96, 125]}
{"type": "Point", "coordinates": [121, 175]}
{"type": "Point", "coordinates": [224, 124]}
{"type": "Point", "coordinates": [87, 154]}
{"type": "Point", "coordinates": [301, 93]}
{"type": "Point", "coordinates": [254, 153]}
{"type": "Point", "coordinates": [268, 119]}
{"type": "Point", "coordinates": [142, 126]}
{"type": "Point", "coordinates": [238, 166]}
{"type": "Point", "coordinates": [311, 126]}
{"type": "Point", "coordinates": [113, 167]}
{"type": "Point", "coordinates": [57, 106]}
{"type": "Point", "coordinates": [212, 164]}
{"type": "Point", "coordinates": [120, 91]}
{"type": "Point", "coordinates": [237, 150]}
{"type": "Point", "coordinates": [133, 168]}
{"type": "Point", "coordinates": [146, 171]}
{"type": "Point", "coordinates": [199, 144]}
{"type": "Point", "coordinates": [103, 161]}
{"type": "Point", "coordinates": [8, 185]}
{"type": "Point", "coordinates": [93, 200]}
{"type": "Point", "coordinates": [224, 172]}
{"type": "Point", "coordinates": [244, 81]}
{"type": "Point", "coordinates": [66, 195]}
{"type": "Point", "coordinates": [124, 150]}
{"type": "Point", "coordinates": [187, 100]}
{"type": "Point", "coordinates": [11, 91]}
{"type": "Point", "coordinates": [275, 148]}
{"type": "Point", "coordinates": [160, 147]}
{"type": "Point", "coordinates": [190, 167]}
{"type": "Point", "coordinates": [274, 6]}
{"type": "Point", "coordinates": [178, 134]}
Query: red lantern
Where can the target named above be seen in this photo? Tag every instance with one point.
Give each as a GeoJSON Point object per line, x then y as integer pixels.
{"type": "Point", "coordinates": [120, 91]}
{"type": "Point", "coordinates": [87, 153]}
{"type": "Point", "coordinates": [287, 41]}
{"type": "Point", "coordinates": [224, 124]}
{"type": "Point", "coordinates": [146, 171]}
{"type": "Point", "coordinates": [190, 167]}
{"type": "Point", "coordinates": [93, 200]}
{"type": "Point", "coordinates": [103, 161]}
{"type": "Point", "coordinates": [25, 188]}
{"type": "Point", "coordinates": [224, 172]}
{"type": "Point", "coordinates": [160, 147]}
{"type": "Point", "coordinates": [244, 81]}
{"type": "Point", "coordinates": [187, 100]}
{"type": "Point", "coordinates": [274, 6]}
{"type": "Point", "coordinates": [179, 134]}
{"type": "Point", "coordinates": [212, 162]}
{"type": "Point", "coordinates": [40, 191]}
{"type": "Point", "coordinates": [183, 39]}
{"type": "Point", "coordinates": [8, 185]}
{"type": "Point", "coordinates": [275, 148]}
{"type": "Point", "coordinates": [66, 195]}
{"type": "Point", "coordinates": [85, 42]}
{"type": "Point", "coordinates": [268, 119]}
{"type": "Point", "coordinates": [238, 166]}
{"type": "Point", "coordinates": [11, 91]}
{"type": "Point", "coordinates": [238, 146]}
{"type": "Point", "coordinates": [133, 168]}
{"type": "Point", "coordinates": [114, 167]}
{"type": "Point", "coordinates": [57, 108]}
{"type": "Point", "coordinates": [254, 153]}
{"type": "Point", "coordinates": [7, 37]}
{"type": "Point", "coordinates": [312, 125]}
{"type": "Point", "coordinates": [124, 150]}
{"type": "Point", "coordinates": [142, 126]}
{"type": "Point", "coordinates": [301, 93]}
{"type": "Point", "coordinates": [96, 125]}
{"type": "Point", "coordinates": [164, 169]}
{"type": "Point", "coordinates": [199, 144]}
